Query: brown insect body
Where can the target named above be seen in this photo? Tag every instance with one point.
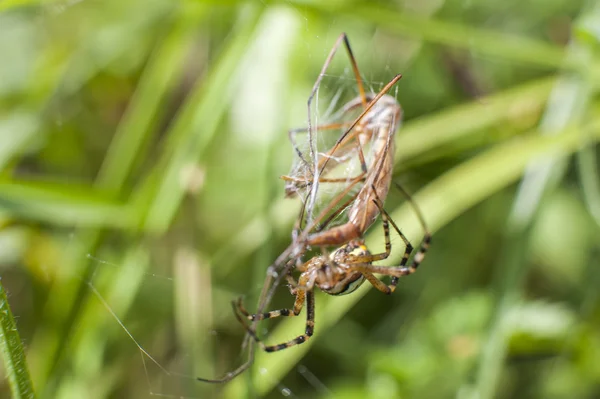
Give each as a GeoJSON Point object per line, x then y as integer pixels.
{"type": "Point", "coordinates": [340, 153]}
{"type": "Point", "coordinates": [378, 128]}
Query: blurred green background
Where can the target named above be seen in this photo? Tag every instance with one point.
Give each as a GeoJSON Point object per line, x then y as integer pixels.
{"type": "Point", "coordinates": [141, 144]}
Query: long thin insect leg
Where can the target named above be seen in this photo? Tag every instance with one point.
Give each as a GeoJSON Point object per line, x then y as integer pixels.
{"type": "Point", "coordinates": [243, 367]}
{"type": "Point", "coordinates": [326, 222]}
{"type": "Point", "coordinates": [322, 179]}
{"type": "Point", "coordinates": [311, 140]}
{"type": "Point", "coordinates": [292, 137]}
{"type": "Point", "coordinates": [313, 150]}
{"type": "Point", "coordinates": [357, 76]}
{"type": "Point", "coordinates": [369, 106]}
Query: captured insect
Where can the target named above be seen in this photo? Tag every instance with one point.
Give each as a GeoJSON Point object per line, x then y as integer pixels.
{"type": "Point", "coordinates": [369, 138]}
{"type": "Point", "coordinates": [373, 128]}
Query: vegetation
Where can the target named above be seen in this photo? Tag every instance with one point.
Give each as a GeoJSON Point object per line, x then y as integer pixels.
{"type": "Point", "coordinates": [141, 144]}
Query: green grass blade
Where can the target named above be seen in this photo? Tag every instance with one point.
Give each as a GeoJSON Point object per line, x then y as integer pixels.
{"type": "Point", "coordinates": [590, 181]}
{"type": "Point", "coordinates": [567, 105]}
{"type": "Point", "coordinates": [16, 133]}
{"type": "Point", "coordinates": [62, 204]}
{"type": "Point", "coordinates": [497, 44]}
{"type": "Point", "coordinates": [7, 5]}
{"type": "Point", "coordinates": [13, 354]}
{"type": "Point", "coordinates": [162, 71]}
{"type": "Point", "coordinates": [456, 123]}
{"type": "Point", "coordinates": [509, 47]}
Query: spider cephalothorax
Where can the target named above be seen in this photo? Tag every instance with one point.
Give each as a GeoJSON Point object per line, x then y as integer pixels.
{"type": "Point", "coordinates": [333, 273]}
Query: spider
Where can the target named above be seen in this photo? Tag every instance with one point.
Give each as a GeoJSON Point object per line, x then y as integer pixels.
{"type": "Point", "coordinates": [340, 273]}
{"type": "Point", "coordinates": [347, 267]}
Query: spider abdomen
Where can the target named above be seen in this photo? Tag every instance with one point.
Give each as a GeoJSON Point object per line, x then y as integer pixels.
{"type": "Point", "coordinates": [347, 286]}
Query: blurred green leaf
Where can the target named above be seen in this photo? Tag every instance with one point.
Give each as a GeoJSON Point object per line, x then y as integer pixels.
{"type": "Point", "coordinates": [196, 124]}
{"type": "Point", "coordinates": [537, 327]}
{"type": "Point", "coordinates": [63, 204]}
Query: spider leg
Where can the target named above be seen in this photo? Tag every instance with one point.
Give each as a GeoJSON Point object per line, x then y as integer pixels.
{"type": "Point", "coordinates": [302, 294]}
{"type": "Point", "coordinates": [386, 218]}
{"type": "Point", "coordinates": [385, 221]}
{"type": "Point", "coordinates": [298, 304]}
{"type": "Point", "coordinates": [308, 331]}
{"type": "Point", "coordinates": [367, 268]}
{"type": "Point", "coordinates": [395, 271]}
{"type": "Point", "coordinates": [420, 255]}
{"type": "Point", "coordinates": [238, 307]}
{"type": "Point", "coordinates": [378, 284]}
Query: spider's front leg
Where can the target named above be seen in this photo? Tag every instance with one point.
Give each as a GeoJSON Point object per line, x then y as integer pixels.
{"type": "Point", "coordinates": [302, 295]}
{"type": "Point", "coordinates": [368, 269]}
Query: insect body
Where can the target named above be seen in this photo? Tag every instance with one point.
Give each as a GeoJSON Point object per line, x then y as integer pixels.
{"type": "Point", "coordinates": [379, 125]}
{"type": "Point", "coordinates": [373, 129]}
